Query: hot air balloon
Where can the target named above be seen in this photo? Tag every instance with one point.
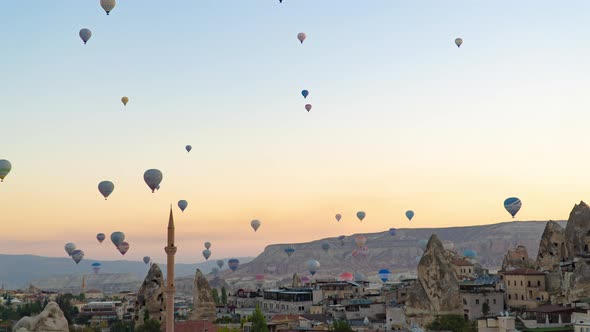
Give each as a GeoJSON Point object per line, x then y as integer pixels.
{"type": "Point", "coordinates": [215, 271]}
{"type": "Point", "coordinates": [301, 36]}
{"type": "Point", "coordinates": [469, 253]}
{"type": "Point", "coordinates": [152, 178]}
{"type": "Point", "coordinates": [233, 264]}
{"type": "Point", "coordinates": [392, 231]}
{"type": "Point", "coordinates": [100, 237]}
{"type": "Point", "coordinates": [360, 240]}
{"type": "Point", "coordinates": [188, 148]}
{"type": "Point", "coordinates": [422, 244]}
{"type": "Point", "coordinates": [313, 266]}
{"type": "Point", "coordinates": [358, 276]}
{"type": "Point", "coordinates": [512, 205]}
{"type": "Point", "coordinates": [147, 259]}
{"type": "Point", "coordinates": [70, 247]}
{"type": "Point", "coordinates": [125, 100]}
{"type": "Point", "coordinates": [338, 217]}
{"type": "Point", "coordinates": [107, 5]}
{"type": "Point", "coordinates": [346, 276]}
{"type": "Point", "coordinates": [77, 256]}
{"type": "Point", "coordinates": [271, 268]}
{"type": "Point", "coordinates": [96, 267]}
{"type": "Point", "coordinates": [341, 238]}
{"type": "Point", "coordinates": [117, 238]}
{"type": "Point", "coordinates": [305, 93]}
{"type": "Point", "coordinates": [206, 254]}
{"type": "Point", "coordinates": [106, 188]}
{"type": "Point", "coordinates": [361, 215]}
{"type": "Point", "coordinates": [255, 224]}
{"type": "Point", "coordinates": [220, 263]}
{"type": "Point", "coordinates": [410, 214]}
{"type": "Point", "coordinates": [325, 246]}
{"type": "Point", "coordinates": [85, 35]}
{"type": "Point", "coordinates": [384, 275]}
{"type": "Point", "coordinates": [123, 248]}
{"type": "Point", "coordinates": [308, 107]}
{"type": "Point", "coordinates": [207, 245]}
{"type": "Point", "coordinates": [458, 42]}
{"type": "Point", "coordinates": [182, 204]}
{"type": "Point", "coordinates": [5, 167]}
{"type": "Point", "coordinates": [305, 280]}
{"type": "Point", "coordinates": [289, 251]}
{"type": "Point", "coordinates": [259, 280]}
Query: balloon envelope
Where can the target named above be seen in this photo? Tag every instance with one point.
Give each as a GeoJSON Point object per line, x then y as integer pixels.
{"type": "Point", "coordinates": [147, 259]}
{"type": "Point", "coordinates": [85, 35]}
{"type": "Point", "coordinates": [308, 107]}
{"type": "Point", "coordinates": [117, 238]}
{"type": "Point", "coordinates": [215, 270]}
{"type": "Point", "coordinates": [123, 248]}
{"type": "Point", "coordinates": [233, 264]}
{"type": "Point", "coordinates": [106, 188]}
{"type": "Point", "coordinates": [313, 266]}
{"type": "Point", "coordinates": [338, 217]}
{"type": "Point", "coordinates": [182, 204]}
{"type": "Point", "coordinates": [70, 247]}
{"type": "Point", "coordinates": [305, 93]}
{"type": "Point", "coordinates": [5, 167]}
{"type": "Point", "coordinates": [206, 254]}
{"type": "Point", "coordinates": [392, 231]}
{"type": "Point", "coordinates": [220, 263]}
{"type": "Point", "coordinates": [153, 178]}
{"type": "Point", "coordinates": [107, 5]}
{"type": "Point", "coordinates": [469, 253]}
{"type": "Point", "coordinates": [346, 276]}
{"type": "Point", "coordinates": [100, 237]}
{"type": "Point", "coordinates": [325, 246]}
{"type": "Point", "coordinates": [512, 205]}
{"type": "Point", "coordinates": [458, 42]}
{"type": "Point", "coordinates": [301, 36]}
{"type": "Point", "coordinates": [289, 251]}
{"type": "Point", "coordinates": [358, 276]}
{"type": "Point", "coordinates": [410, 214]}
{"type": "Point", "coordinates": [360, 240]}
{"type": "Point", "coordinates": [361, 215]}
{"type": "Point", "coordinates": [188, 148]}
{"type": "Point", "coordinates": [96, 267]}
{"type": "Point", "coordinates": [255, 224]}
{"type": "Point", "coordinates": [125, 100]}
{"type": "Point", "coordinates": [384, 274]}
{"type": "Point", "coordinates": [207, 245]}
{"type": "Point", "coordinates": [77, 256]}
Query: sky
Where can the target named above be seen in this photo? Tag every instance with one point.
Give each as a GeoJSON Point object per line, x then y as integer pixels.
{"type": "Point", "coordinates": [402, 119]}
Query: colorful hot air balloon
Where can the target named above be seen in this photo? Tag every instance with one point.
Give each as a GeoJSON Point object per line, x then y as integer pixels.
{"type": "Point", "coordinates": [384, 275]}
{"type": "Point", "coordinates": [360, 240]}
{"type": "Point", "coordinates": [410, 214]}
{"type": "Point", "coordinates": [70, 247]}
{"type": "Point", "coordinates": [255, 224]}
{"type": "Point", "coordinates": [206, 254]}
{"type": "Point", "coordinates": [188, 148]}
{"type": "Point", "coordinates": [458, 42]}
{"type": "Point", "coordinates": [147, 259]}
{"type": "Point", "coordinates": [392, 231]}
{"type": "Point", "coordinates": [301, 36]}
{"type": "Point", "coordinates": [289, 251]}
{"type": "Point", "coordinates": [125, 100]}
{"type": "Point", "coordinates": [77, 256]}
{"type": "Point", "coordinates": [85, 35]}
{"type": "Point", "coordinates": [123, 248]}
{"type": "Point", "coordinates": [346, 276]}
{"type": "Point", "coordinates": [182, 204]}
{"type": "Point", "coordinates": [512, 205]}
{"type": "Point", "coordinates": [325, 246]}
{"type": "Point", "coordinates": [305, 93]}
{"type": "Point", "coordinates": [220, 263]}
{"type": "Point", "coordinates": [207, 245]}
{"type": "Point", "coordinates": [308, 107]}
{"type": "Point", "coordinates": [5, 167]}
{"type": "Point", "coordinates": [361, 215]}
{"type": "Point", "coordinates": [338, 217]}
{"type": "Point", "coordinates": [152, 178]}
{"type": "Point", "coordinates": [100, 237]}
{"type": "Point", "coordinates": [117, 238]}
{"type": "Point", "coordinates": [233, 264]}
{"type": "Point", "coordinates": [107, 5]}
{"type": "Point", "coordinates": [341, 238]}
{"type": "Point", "coordinates": [96, 267]}
{"type": "Point", "coordinates": [106, 188]}
{"type": "Point", "coordinates": [313, 266]}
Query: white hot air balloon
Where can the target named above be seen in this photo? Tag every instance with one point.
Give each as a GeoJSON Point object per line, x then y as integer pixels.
{"type": "Point", "coordinates": [458, 42]}
{"type": "Point", "coordinates": [85, 35]}
{"type": "Point", "coordinates": [108, 5]}
{"type": "Point", "coordinates": [301, 36]}
{"type": "Point", "coordinates": [255, 224]}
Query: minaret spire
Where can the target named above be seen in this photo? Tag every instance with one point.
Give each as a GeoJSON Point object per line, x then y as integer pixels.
{"type": "Point", "coordinates": [170, 289]}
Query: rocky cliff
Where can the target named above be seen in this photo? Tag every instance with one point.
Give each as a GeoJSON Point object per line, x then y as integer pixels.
{"type": "Point", "coordinates": [151, 299]}
{"type": "Point", "coordinates": [203, 302]}
{"type": "Point", "coordinates": [552, 247]}
{"type": "Point", "coordinates": [51, 319]}
{"type": "Point", "coordinates": [517, 258]}
{"type": "Point", "coordinates": [577, 231]}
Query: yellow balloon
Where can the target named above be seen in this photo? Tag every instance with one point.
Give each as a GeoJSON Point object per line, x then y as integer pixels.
{"type": "Point", "coordinates": [125, 100]}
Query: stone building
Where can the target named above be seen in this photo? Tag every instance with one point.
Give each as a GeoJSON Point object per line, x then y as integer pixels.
{"type": "Point", "coordinates": [525, 288]}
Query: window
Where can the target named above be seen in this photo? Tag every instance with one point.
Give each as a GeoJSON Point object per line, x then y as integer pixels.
{"type": "Point", "coordinates": [529, 283]}
{"type": "Point", "coordinates": [476, 301]}
{"type": "Point", "coordinates": [522, 297]}
{"type": "Point", "coordinates": [494, 301]}
{"type": "Point", "coordinates": [521, 283]}
{"type": "Point", "coordinates": [464, 302]}
{"type": "Point", "coordinates": [509, 297]}
{"type": "Point", "coordinates": [539, 283]}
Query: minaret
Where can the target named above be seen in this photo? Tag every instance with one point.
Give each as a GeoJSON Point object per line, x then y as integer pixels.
{"type": "Point", "coordinates": [170, 290]}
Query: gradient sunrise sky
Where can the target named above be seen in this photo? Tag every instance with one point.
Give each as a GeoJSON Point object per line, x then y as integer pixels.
{"type": "Point", "coordinates": [401, 119]}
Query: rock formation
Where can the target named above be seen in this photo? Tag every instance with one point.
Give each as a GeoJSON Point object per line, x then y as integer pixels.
{"type": "Point", "coordinates": [203, 302]}
{"type": "Point", "coordinates": [296, 281]}
{"type": "Point", "coordinates": [51, 319]}
{"type": "Point", "coordinates": [552, 247]}
{"type": "Point", "coordinates": [437, 289]}
{"type": "Point", "coordinates": [151, 298]}
{"type": "Point", "coordinates": [517, 258]}
{"type": "Point", "coordinates": [577, 231]}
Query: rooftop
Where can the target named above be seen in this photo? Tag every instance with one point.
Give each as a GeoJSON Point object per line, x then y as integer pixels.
{"type": "Point", "coordinates": [524, 271]}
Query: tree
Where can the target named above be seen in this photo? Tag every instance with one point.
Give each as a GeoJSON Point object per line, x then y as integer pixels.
{"type": "Point", "coordinates": [65, 304]}
{"type": "Point", "coordinates": [455, 323]}
{"type": "Point", "coordinates": [223, 296]}
{"type": "Point", "coordinates": [150, 325]}
{"type": "Point", "coordinates": [341, 326]}
{"type": "Point", "coordinates": [485, 308]}
{"type": "Point", "coordinates": [258, 321]}
{"type": "Point", "coordinates": [215, 294]}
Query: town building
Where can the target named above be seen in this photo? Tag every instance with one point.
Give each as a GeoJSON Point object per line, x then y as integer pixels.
{"type": "Point", "coordinates": [287, 301]}
{"type": "Point", "coordinates": [479, 292]}
{"type": "Point", "coordinates": [525, 288]}
{"type": "Point", "coordinates": [102, 311]}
